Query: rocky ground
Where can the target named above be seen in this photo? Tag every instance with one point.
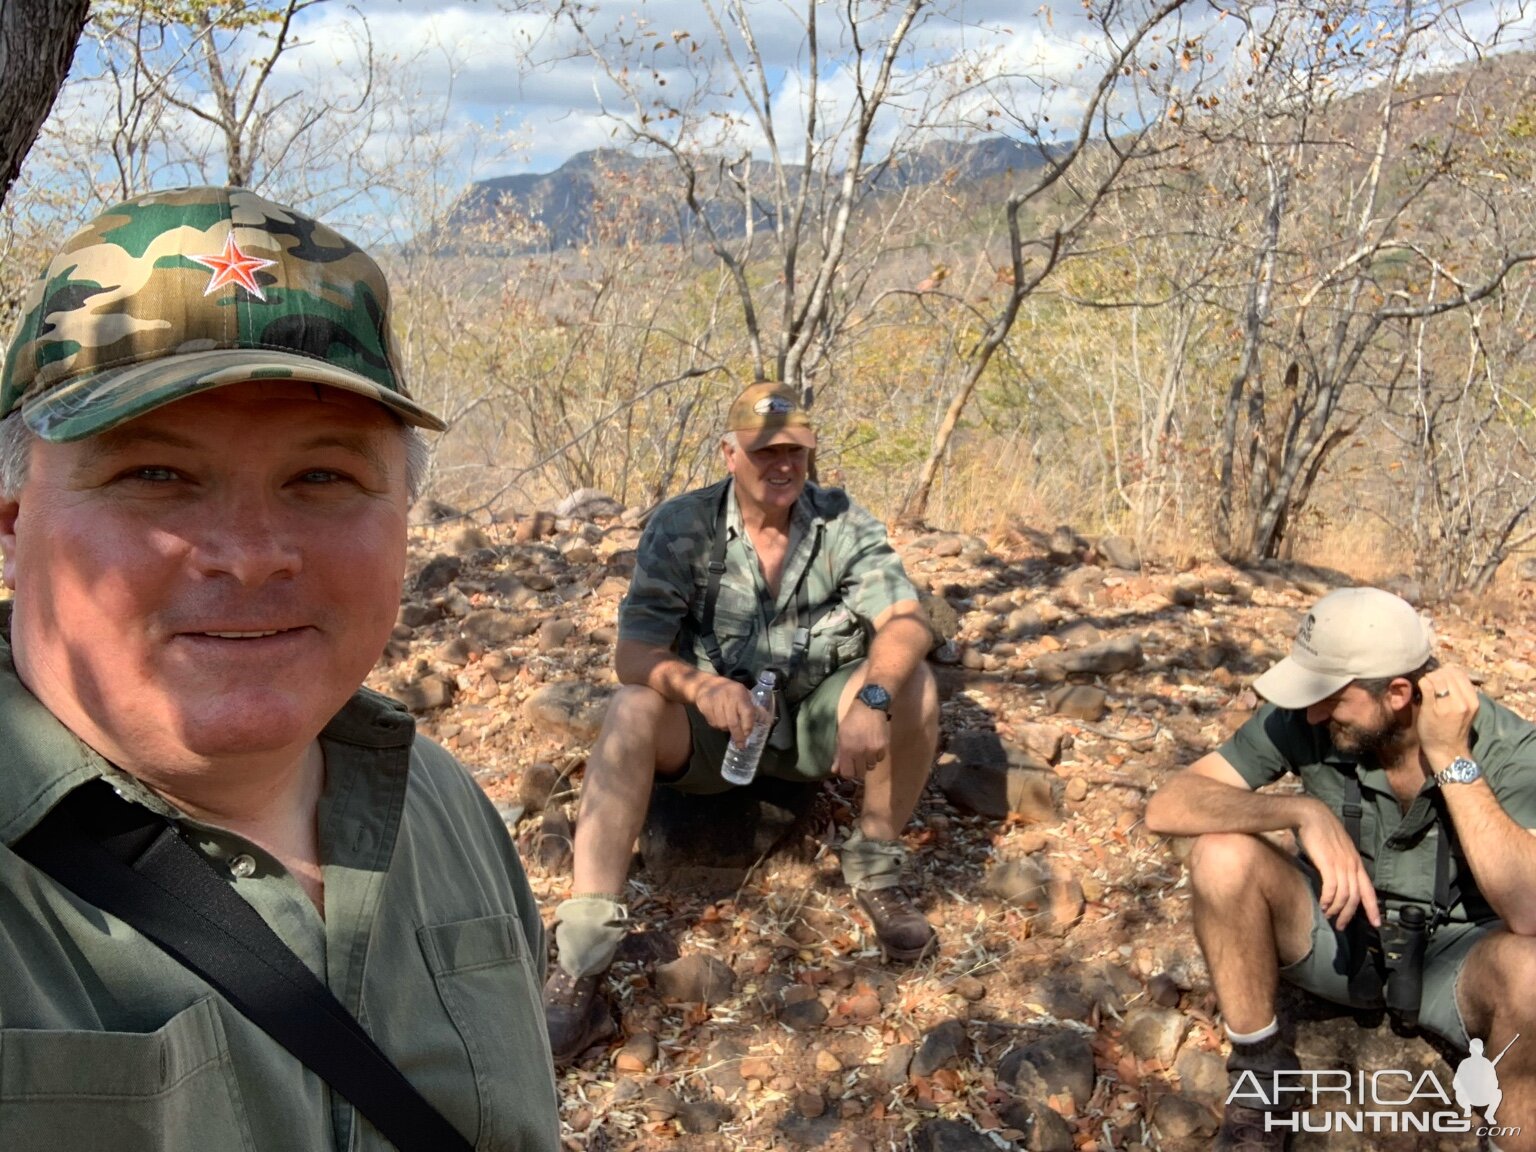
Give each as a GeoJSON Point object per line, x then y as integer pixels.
{"type": "Point", "coordinates": [1069, 1007]}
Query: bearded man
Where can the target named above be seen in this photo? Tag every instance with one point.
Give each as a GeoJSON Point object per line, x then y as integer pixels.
{"type": "Point", "coordinates": [1417, 792]}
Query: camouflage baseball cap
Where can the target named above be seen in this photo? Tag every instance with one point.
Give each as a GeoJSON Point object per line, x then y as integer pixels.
{"type": "Point", "coordinates": [769, 413]}
{"type": "Point", "coordinates": [179, 291]}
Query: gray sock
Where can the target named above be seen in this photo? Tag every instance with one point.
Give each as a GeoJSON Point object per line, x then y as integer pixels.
{"type": "Point", "coordinates": [588, 931]}
{"type": "Point", "coordinates": [870, 864]}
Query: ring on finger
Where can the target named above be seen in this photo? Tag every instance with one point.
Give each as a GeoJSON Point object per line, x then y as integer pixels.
{"type": "Point", "coordinates": [1442, 693]}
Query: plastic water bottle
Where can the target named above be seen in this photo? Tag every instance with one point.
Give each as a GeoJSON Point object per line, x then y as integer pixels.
{"type": "Point", "coordinates": [741, 760]}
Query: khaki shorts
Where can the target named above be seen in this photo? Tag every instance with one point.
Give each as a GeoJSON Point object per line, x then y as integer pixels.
{"type": "Point", "coordinates": [810, 759]}
{"type": "Point", "coordinates": [1338, 967]}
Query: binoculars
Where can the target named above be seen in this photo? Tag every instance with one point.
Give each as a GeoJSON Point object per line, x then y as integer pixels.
{"type": "Point", "coordinates": [1402, 961]}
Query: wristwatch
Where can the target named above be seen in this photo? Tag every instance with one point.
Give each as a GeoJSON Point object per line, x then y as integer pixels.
{"type": "Point", "coordinates": [1459, 771]}
{"type": "Point", "coordinates": [877, 698]}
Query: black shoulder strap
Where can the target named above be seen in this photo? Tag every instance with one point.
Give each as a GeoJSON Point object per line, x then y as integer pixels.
{"type": "Point", "coordinates": [123, 859]}
{"type": "Point", "coordinates": [712, 591]}
{"type": "Point", "coordinates": [1447, 895]}
{"type": "Point", "coordinates": [1353, 811]}
{"type": "Point", "coordinates": [803, 614]}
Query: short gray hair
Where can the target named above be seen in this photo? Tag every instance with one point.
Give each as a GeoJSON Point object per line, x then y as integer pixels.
{"type": "Point", "coordinates": [16, 449]}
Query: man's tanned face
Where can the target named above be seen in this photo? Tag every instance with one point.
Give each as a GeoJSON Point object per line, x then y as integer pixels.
{"type": "Point", "coordinates": [212, 579]}
{"type": "Point", "coordinates": [1360, 724]}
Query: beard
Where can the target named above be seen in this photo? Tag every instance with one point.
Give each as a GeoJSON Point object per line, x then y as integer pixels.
{"type": "Point", "coordinates": [1382, 738]}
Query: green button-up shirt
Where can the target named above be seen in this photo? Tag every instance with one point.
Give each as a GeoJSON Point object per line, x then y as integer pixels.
{"type": "Point", "coordinates": [431, 938]}
{"type": "Point", "coordinates": [1398, 848]}
{"type": "Point", "coordinates": [841, 553]}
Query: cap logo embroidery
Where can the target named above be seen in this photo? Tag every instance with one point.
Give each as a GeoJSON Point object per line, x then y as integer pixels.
{"type": "Point", "coordinates": [1304, 633]}
{"type": "Point", "coordinates": [773, 406]}
{"type": "Point", "coordinates": [233, 266]}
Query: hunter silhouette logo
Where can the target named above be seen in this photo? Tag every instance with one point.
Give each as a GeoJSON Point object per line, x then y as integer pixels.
{"type": "Point", "coordinates": [1476, 1083]}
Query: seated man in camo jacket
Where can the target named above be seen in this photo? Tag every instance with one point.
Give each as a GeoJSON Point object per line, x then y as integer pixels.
{"type": "Point", "coordinates": [804, 581]}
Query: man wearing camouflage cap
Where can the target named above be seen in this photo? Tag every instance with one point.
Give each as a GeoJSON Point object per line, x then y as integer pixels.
{"type": "Point", "coordinates": [760, 570]}
{"type": "Point", "coordinates": [1417, 793]}
{"type": "Point", "coordinates": [206, 460]}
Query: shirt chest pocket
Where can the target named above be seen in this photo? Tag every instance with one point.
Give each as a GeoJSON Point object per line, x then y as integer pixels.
{"type": "Point", "coordinates": [485, 979]}
{"type": "Point", "coordinates": [171, 1090]}
{"type": "Point", "coordinates": [735, 619]}
{"type": "Point", "coordinates": [836, 639]}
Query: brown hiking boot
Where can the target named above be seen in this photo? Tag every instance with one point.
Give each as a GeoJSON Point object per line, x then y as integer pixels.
{"type": "Point", "coordinates": [1243, 1130]}
{"type": "Point", "coordinates": [575, 1014]}
{"type": "Point", "coordinates": [904, 932]}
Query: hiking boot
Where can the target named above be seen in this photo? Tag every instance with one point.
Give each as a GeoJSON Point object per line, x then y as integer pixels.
{"type": "Point", "coordinates": [575, 1014]}
{"type": "Point", "coordinates": [904, 932]}
{"type": "Point", "coordinates": [1243, 1130]}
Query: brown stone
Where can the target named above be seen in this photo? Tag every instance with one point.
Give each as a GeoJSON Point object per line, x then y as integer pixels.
{"type": "Point", "coordinates": [556, 836]}
{"type": "Point", "coordinates": [638, 1053]}
{"type": "Point", "coordinates": [500, 667]}
{"type": "Point", "coordinates": [696, 978]}
{"type": "Point", "coordinates": [1080, 701]}
{"type": "Point", "coordinates": [554, 633]}
{"type": "Point", "coordinates": [1066, 896]}
{"type": "Point", "coordinates": [572, 708]}
{"type": "Point", "coordinates": [427, 693]}
{"type": "Point", "coordinates": [1029, 796]}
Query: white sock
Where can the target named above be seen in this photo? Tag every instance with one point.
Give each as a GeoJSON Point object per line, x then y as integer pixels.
{"type": "Point", "coordinates": [1263, 1033]}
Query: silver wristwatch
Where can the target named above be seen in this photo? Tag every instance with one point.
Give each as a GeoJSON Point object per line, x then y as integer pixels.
{"type": "Point", "coordinates": [1459, 771]}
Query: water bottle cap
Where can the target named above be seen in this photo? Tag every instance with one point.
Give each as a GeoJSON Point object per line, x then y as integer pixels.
{"type": "Point", "coordinates": [768, 676]}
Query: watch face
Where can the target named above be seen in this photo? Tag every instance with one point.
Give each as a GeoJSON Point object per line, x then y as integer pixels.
{"type": "Point", "coordinates": [1460, 771]}
{"type": "Point", "coordinates": [875, 696]}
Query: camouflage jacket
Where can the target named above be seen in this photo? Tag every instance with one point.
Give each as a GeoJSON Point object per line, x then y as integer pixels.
{"type": "Point", "coordinates": [851, 572]}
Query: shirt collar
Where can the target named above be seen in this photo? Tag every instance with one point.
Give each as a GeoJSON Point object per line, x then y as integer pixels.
{"type": "Point", "coordinates": [802, 517]}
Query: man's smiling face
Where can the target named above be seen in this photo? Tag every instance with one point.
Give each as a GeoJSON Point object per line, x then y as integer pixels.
{"type": "Point", "coordinates": [769, 478]}
{"type": "Point", "coordinates": [212, 579]}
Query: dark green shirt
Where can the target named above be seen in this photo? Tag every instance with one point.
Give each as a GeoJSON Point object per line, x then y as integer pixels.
{"type": "Point", "coordinates": [431, 938]}
{"type": "Point", "coordinates": [840, 551]}
{"type": "Point", "coordinates": [1398, 848]}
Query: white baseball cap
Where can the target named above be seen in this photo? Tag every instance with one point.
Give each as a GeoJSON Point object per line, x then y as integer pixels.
{"type": "Point", "coordinates": [1351, 634]}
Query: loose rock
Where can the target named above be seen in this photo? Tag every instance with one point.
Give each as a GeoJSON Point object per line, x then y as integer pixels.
{"type": "Point", "coordinates": [1064, 1062]}
{"type": "Point", "coordinates": [696, 978]}
{"type": "Point", "coordinates": [942, 1047]}
{"type": "Point", "coordinates": [1155, 1033]}
{"type": "Point", "coordinates": [1080, 701]}
{"type": "Point", "coordinates": [572, 708]}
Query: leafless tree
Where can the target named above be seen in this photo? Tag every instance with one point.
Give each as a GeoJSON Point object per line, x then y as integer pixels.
{"type": "Point", "coordinates": [1344, 251]}
{"type": "Point", "coordinates": [1116, 134]}
{"type": "Point", "coordinates": [185, 78]}
{"type": "Point", "coordinates": [782, 179]}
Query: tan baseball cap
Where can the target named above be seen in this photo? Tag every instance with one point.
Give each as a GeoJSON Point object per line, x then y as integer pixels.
{"type": "Point", "coordinates": [769, 413]}
{"type": "Point", "coordinates": [1351, 634]}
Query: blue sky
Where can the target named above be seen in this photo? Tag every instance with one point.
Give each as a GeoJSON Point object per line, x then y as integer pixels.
{"type": "Point", "coordinates": [494, 87]}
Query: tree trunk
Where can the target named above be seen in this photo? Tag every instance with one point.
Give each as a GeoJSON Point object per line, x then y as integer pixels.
{"type": "Point", "coordinates": [37, 45]}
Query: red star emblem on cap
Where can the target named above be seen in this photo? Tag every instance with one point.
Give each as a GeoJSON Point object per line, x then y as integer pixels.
{"type": "Point", "coordinates": [233, 266]}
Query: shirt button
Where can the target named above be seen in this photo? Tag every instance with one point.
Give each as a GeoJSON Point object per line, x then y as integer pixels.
{"type": "Point", "coordinates": [242, 866]}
